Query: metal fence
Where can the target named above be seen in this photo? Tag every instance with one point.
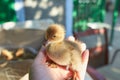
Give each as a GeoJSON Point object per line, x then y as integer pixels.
{"type": "Point", "coordinates": [87, 11]}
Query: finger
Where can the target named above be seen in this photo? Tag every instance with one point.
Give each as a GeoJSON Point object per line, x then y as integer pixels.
{"type": "Point", "coordinates": [71, 38]}
{"type": "Point", "coordinates": [85, 57]}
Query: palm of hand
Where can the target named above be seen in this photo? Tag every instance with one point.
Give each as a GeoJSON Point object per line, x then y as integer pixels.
{"type": "Point", "coordinates": [41, 71]}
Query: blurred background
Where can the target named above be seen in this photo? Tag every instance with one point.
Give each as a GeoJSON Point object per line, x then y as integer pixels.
{"type": "Point", "coordinates": [23, 23]}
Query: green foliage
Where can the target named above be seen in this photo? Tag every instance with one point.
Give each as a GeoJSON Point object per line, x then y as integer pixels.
{"type": "Point", "coordinates": [7, 12]}
{"type": "Point", "coordinates": [87, 11]}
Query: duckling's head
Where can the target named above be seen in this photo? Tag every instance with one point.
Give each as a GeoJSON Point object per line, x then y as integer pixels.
{"type": "Point", "coordinates": [55, 33]}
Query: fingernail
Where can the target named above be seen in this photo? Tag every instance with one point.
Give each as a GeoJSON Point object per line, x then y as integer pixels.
{"type": "Point", "coordinates": [83, 46]}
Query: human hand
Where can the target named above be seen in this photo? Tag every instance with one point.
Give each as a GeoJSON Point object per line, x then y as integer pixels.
{"type": "Point", "coordinates": [41, 71]}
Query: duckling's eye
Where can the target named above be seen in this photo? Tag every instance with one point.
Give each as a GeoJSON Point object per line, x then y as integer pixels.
{"type": "Point", "coordinates": [54, 36]}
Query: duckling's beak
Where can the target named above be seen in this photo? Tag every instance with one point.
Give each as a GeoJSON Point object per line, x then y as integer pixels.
{"type": "Point", "coordinates": [47, 42]}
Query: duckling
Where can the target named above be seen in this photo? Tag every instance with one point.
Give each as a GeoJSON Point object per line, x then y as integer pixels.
{"type": "Point", "coordinates": [61, 51]}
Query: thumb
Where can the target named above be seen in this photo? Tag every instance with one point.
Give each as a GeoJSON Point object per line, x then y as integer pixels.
{"type": "Point", "coordinates": [41, 55]}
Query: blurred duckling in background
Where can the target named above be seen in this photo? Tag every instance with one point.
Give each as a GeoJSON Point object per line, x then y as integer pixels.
{"type": "Point", "coordinates": [63, 52]}
{"type": "Point", "coordinates": [10, 55]}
